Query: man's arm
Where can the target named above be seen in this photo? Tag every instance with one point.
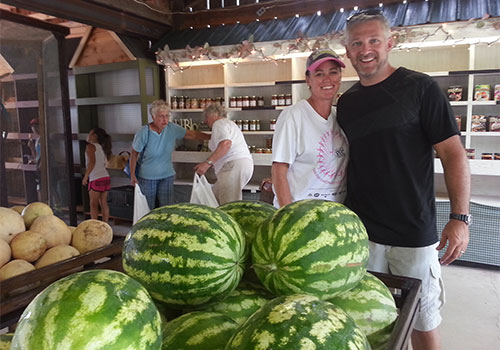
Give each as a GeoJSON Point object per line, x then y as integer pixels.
{"type": "Point", "coordinates": [457, 179]}
{"type": "Point", "coordinates": [221, 150]}
{"type": "Point", "coordinates": [280, 183]}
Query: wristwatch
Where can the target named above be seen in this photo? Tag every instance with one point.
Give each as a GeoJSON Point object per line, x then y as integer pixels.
{"type": "Point", "coordinates": [209, 162]}
{"type": "Point", "coordinates": [467, 218]}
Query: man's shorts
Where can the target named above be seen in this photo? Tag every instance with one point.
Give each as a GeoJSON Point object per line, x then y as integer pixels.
{"type": "Point", "coordinates": [100, 185]}
{"type": "Point", "coordinates": [421, 263]}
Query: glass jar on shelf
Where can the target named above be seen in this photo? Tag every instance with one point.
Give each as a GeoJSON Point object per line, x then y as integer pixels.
{"type": "Point", "coordinates": [180, 102]}
{"type": "Point", "coordinates": [245, 102]}
{"type": "Point", "coordinates": [274, 100]}
{"type": "Point", "coordinates": [288, 99]}
{"type": "Point", "coordinates": [245, 125]}
{"type": "Point", "coordinates": [195, 103]}
{"type": "Point", "coordinates": [173, 102]}
{"type": "Point", "coordinates": [253, 101]}
{"type": "Point", "coordinates": [239, 123]}
{"type": "Point", "coordinates": [202, 103]}
{"type": "Point", "coordinates": [239, 101]}
{"type": "Point", "coordinates": [281, 100]}
{"type": "Point", "coordinates": [272, 125]}
{"type": "Point", "coordinates": [232, 102]}
{"type": "Point", "coordinates": [260, 101]}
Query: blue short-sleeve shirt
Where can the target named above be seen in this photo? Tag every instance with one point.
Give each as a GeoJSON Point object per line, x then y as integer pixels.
{"type": "Point", "coordinates": [157, 159]}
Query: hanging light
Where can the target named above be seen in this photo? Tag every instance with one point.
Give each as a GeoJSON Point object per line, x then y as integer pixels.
{"type": "Point", "coordinates": [318, 13]}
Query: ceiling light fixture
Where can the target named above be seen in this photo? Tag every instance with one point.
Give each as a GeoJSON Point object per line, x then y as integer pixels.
{"type": "Point", "coordinates": [318, 13]}
{"type": "Point", "coordinates": [297, 15]}
{"type": "Point", "coordinates": [341, 10]}
{"type": "Point", "coordinates": [356, 8]}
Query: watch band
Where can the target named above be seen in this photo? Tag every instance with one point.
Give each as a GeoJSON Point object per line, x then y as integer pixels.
{"type": "Point", "coordinates": [209, 162]}
{"type": "Point", "coordinates": [466, 218]}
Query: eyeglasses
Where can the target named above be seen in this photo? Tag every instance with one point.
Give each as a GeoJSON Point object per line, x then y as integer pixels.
{"type": "Point", "coordinates": [367, 12]}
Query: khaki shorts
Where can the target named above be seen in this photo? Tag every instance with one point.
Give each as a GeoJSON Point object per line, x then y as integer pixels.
{"type": "Point", "coordinates": [421, 263]}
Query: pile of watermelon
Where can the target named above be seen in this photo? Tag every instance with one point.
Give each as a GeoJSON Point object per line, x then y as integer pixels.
{"type": "Point", "coordinates": [242, 276]}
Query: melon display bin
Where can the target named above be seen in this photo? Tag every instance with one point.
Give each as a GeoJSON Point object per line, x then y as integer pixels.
{"type": "Point", "coordinates": [17, 292]}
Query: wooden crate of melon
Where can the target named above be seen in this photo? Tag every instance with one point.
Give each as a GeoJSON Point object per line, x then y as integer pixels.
{"type": "Point", "coordinates": [242, 276]}
{"type": "Point", "coordinates": [37, 248]}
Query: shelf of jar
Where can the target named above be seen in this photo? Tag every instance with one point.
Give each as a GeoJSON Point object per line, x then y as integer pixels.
{"type": "Point", "coordinates": [232, 109]}
{"type": "Point", "coordinates": [259, 159]}
{"type": "Point", "coordinates": [196, 87]}
{"type": "Point", "coordinates": [477, 167]}
{"type": "Point", "coordinates": [482, 133]}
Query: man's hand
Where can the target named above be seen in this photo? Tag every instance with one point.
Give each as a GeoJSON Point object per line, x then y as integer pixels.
{"type": "Point", "coordinates": [202, 168]}
{"type": "Point", "coordinates": [456, 233]}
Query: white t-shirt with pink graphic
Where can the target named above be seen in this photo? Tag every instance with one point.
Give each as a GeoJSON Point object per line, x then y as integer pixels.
{"type": "Point", "coordinates": [316, 150]}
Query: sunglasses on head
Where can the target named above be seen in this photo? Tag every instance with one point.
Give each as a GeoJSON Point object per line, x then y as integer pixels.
{"type": "Point", "coordinates": [367, 12]}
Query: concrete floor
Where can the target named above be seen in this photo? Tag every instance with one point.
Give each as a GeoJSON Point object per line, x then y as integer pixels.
{"type": "Point", "coordinates": [471, 314]}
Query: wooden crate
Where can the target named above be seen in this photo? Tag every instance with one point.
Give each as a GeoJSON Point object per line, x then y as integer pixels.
{"type": "Point", "coordinates": [17, 292]}
{"type": "Point", "coordinates": [406, 292]}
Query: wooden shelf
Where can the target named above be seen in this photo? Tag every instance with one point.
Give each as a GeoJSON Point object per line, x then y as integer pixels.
{"type": "Point", "coordinates": [477, 167]}
{"type": "Point", "coordinates": [197, 87]}
{"type": "Point", "coordinates": [20, 166]}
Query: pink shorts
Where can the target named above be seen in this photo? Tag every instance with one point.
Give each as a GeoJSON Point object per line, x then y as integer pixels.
{"type": "Point", "coordinates": [100, 185]}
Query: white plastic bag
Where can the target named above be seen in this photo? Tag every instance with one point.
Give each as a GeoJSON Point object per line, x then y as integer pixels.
{"type": "Point", "coordinates": [141, 206]}
{"type": "Point", "coordinates": [202, 192]}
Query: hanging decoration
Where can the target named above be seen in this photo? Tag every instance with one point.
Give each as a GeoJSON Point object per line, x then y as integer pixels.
{"type": "Point", "coordinates": [407, 38]}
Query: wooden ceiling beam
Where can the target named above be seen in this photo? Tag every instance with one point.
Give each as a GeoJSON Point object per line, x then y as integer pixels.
{"type": "Point", "coordinates": [269, 9]}
{"type": "Point", "coordinates": [97, 16]}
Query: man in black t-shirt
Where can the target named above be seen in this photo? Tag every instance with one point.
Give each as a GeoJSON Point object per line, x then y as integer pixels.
{"type": "Point", "coordinates": [393, 119]}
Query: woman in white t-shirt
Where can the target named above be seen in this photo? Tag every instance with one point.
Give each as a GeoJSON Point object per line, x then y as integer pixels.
{"type": "Point", "coordinates": [231, 159]}
{"type": "Point", "coordinates": [310, 150]}
{"type": "Point", "coordinates": [96, 176]}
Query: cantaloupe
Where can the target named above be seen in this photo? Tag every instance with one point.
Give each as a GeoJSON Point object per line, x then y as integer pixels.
{"type": "Point", "coordinates": [34, 210]}
{"type": "Point", "coordinates": [55, 254]}
{"type": "Point", "coordinates": [5, 252]}
{"type": "Point", "coordinates": [91, 234]}
{"type": "Point", "coordinates": [18, 208]}
{"type": "Point", "coordinates": [54, 230]}
{"type": "Point", "coordinates": [28, 245]}
{"type": "Point", "coordinates": [11, 223]}
{"type": "Point", "coordinates": [14, 268]}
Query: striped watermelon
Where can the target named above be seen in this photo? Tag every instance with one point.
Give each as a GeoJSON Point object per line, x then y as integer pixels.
{"type": "Point", "coordinates": [315, 247]}
{"type": "Point", "coordinates": [90, 310]}
{"type": "Point", "coordinates": [249, 215]}
{"type": "Point", "coordinates": [372, 307]}
{"type": "Point", "coordinates": [6, 341]}
{"type": "Point", "coordinates": [240, 304]}
{"type": "Point", "coordinates": [298, 322]}
{"type": "Point", "coordinates": [198, 330]}
{"type": "Point", "coordinates": [186, 255]}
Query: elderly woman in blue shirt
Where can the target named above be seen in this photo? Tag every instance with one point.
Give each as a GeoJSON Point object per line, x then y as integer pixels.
{"type": "Point", "coordinates": [157, 140]}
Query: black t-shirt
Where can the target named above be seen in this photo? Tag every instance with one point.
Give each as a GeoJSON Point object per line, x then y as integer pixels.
{"type": "Point", "coordinates": [391, 127]}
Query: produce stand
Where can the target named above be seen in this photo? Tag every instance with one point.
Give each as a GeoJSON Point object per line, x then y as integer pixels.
{"type": "Point", "coordinates": [17, 292]}
{"type": "Point", "coordinates": [406, 293]}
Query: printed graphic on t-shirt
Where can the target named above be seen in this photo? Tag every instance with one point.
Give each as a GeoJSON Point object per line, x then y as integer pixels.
{"type": "Point", "coordinates": [328, 155]}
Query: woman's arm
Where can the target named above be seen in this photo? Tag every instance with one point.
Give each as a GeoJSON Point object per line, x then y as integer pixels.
{"type": "Point", "coordinates": [90, 152]}
{"type": "Point", "coordinates": [133, 163]}
{"type": "Point", "coordinates": [221, 150]}
{"type": "Point", "coordinates": [280, 183]}
{"type": "Point", "coordinates": [196, 135]}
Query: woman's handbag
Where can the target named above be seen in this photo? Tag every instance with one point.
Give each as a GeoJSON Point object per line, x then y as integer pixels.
{"type": "Point", "coordinates": [126, 169]}
{"type": "Point", "coordinates": [202, 192]}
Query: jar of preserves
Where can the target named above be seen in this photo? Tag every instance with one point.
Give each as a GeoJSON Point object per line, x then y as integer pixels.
{"type": "Point", "coordinates": [246, 101]}
{"type": "Point", "coordinates": [288, 99]}
{"type": "Point", "coordinates": [239, 123]}
{"type": "Point", "coordinates": [239, 101]}
{"type": "Point", "coordinates": [260, 101]}
{"type": "Point", "coordinates": [281, 99]}
{"type": "Point", "coordinates": [202, 103]}
{"type": "Point", "coordinates": [173, 102]}
{"type": "Point", "coordinates": [187, 103]}
{"type": "Point", "coordinates": [470, 153]}
{"type": "Point", "coordinates": [259, 150]}
{"type": "Point", "coordinates": [232, 102]}
{"type": "Point", "coordinates": [252, 126]}
{"type": "Point", "coordinates": [253, 101]}
{"type": "Point", "coordinates": [195, 103]}
{"type": "Point", "coordinates": [274, 100]}
{"type": "Point", "coordinates": [257, 125]}
{"type": "Point", "coordinates": [269, 142]}
{"type": "Point", "coordinates": [272, 124]}
{"type": "Point", "coordinates": [245, 125]}
{"type": "Point", "coordinates": [496, 156]}
{"type": "Point", "coordinates": [180, 102]}
{"type": "Point", "coordinates": [487, 156]}
{"type": "Point", "coordinates": [220, 100]}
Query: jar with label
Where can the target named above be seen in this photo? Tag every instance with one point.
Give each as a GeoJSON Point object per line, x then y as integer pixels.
{"type": "Point", "coordinates": [281, 100]}
{"type": "Point", "coordinates": [274, 100]}
{"type": "Point", "coordinates": [180, 102]}
{"type": "Point", "coordinates": [239, 123]}
{"type": "Point", "coordinates": [246, 101]}
{"type": "Point", "coordinates": [202, 103]}
{"type": "Point", "coordinates": [251, 125]}
{"type": "Point", "coordinates": [470, 153]}
{"type": "Point", "coordinates": [187, 103]}
{"type": "Point", "coordinates": [487, 156]}
{"type": "Point", "coordinates": [257, 125]}
{"type": "Point", "coordinates": [272, 124]}
{"type": "Point", "coordinates": [173, 102]}
{"type": "Point", "coordinates": [239, 101]}
{"type": "Point", "coordinates": [259, 150]}
{"type": "Point", "coordinates": [269, 142]}
{"type": "Point", "coordinates": [232, 102]}
{"type": "Point", "coordinates": [253, 101]}
{"type": "Point", "coordinates": [245, 125]}
{"type": "Point", "coordinates": [260, 101]}
{"type": "Point", "coordinates": [496, 156]}
{"type": "Point", "coordinates": [288, 99]}
{"type": "Point", "coordinates": [195, 103]}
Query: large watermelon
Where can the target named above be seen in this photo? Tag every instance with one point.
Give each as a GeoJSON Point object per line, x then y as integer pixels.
{"type": "Point", "coordinates": [372, 307]}
{"type": "Point", "coordinates": [240, 304]}
{"type": "Point", "coordinates": [90, 310]}
{"type": "Point", "coordinates": [298, 322]}
{"type": "Point", "coordinates": [315, 247]}
{"type": "Point", "coordinates": [186, 255]}
{"type": "Point", "coordinates": [198, 330]}
{"type": "Point", "coordinates": [249, 215]}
